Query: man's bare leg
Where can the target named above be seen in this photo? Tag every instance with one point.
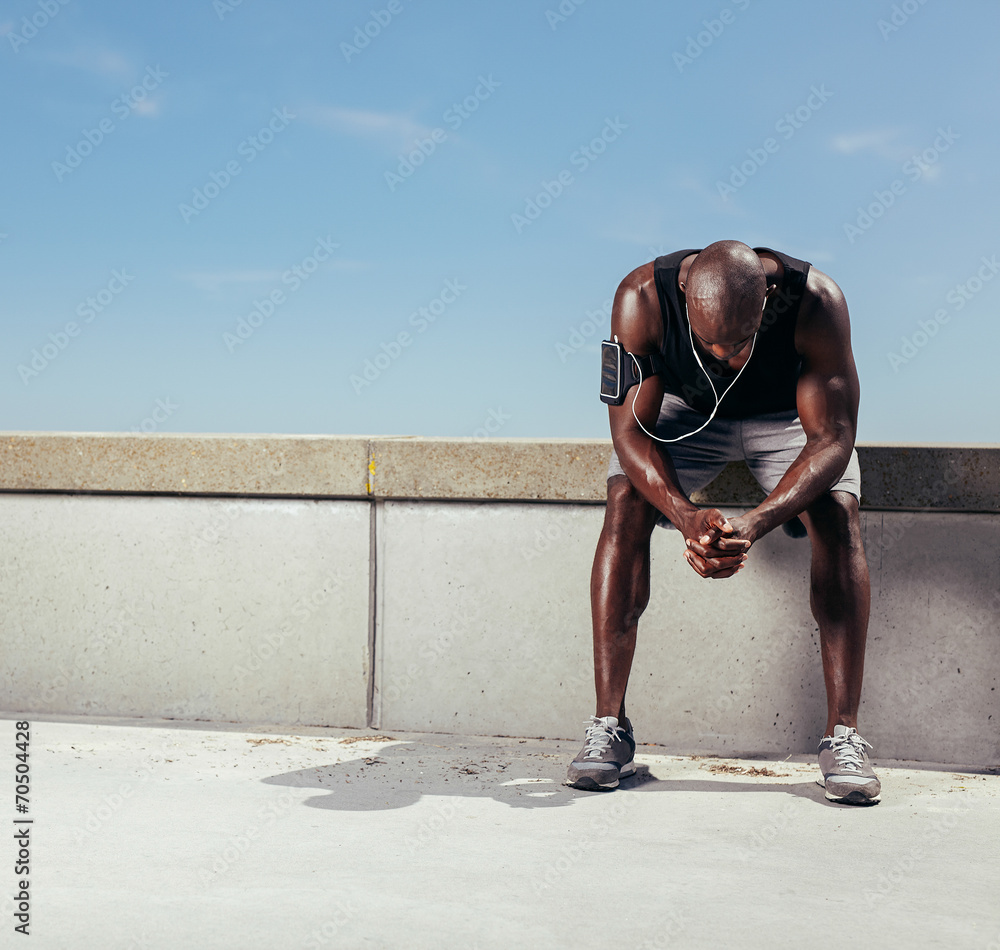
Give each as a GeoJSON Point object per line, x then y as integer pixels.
{"type": "Point", "coordinates": [840, 597]}
{"type": "Point", "coordinates": [619, 591]}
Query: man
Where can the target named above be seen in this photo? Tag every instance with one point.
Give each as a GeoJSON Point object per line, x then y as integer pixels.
{"type": "Point", "coordinates": [739, 354]}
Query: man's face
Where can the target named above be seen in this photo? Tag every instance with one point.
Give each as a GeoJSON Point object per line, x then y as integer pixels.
{"type": "Point", "coordinates": [722, 337]}
{"type": "Point", "coordinates": [723, 352]}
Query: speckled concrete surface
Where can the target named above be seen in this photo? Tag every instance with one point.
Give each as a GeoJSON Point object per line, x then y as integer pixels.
{"type": "Point", "coordinates": [148, 835]}
{"type": "Point", "coordinates": [521, 469]}
{"type": "Point", "coordinates": [965, 478]}
{"type": "Point", "coordinates": [195, 464]}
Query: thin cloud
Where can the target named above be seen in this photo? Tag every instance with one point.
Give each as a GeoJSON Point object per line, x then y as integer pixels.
{"type": "Point", "coordinates": [883, 143]}
{"type": "Point", "coordinates": [98, 60]}
{"type": "Point", "coordinates": [215, 281]}
{"type": "Point", "coordinates": [348, 265]}
{"type": "Point", "coordinates": [147, 108]}
{"type": "Point", "coordinates": [820, 257]}
{"type": "Point", "coordinates": [391, 129]}
{"type": "Point", "coordinates": [717, 202]}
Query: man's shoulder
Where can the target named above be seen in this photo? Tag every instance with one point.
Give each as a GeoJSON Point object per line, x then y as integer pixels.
{"type": "Point", "coordinates": [638, 280]}
{"type": "Point", "coordinates": [639, 284]}
{"type": "Point", "coordinates": [643, 278]}
{"type": "Point", "coordinates": [821, 294]}
{"type": "Point", "coordinates": [823, 321]}
{"type": "Point", "coordinates": [636, 311]}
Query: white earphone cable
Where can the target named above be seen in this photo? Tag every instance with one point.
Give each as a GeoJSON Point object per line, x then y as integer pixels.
{"type": "Point", "coordinates": [718, 398]}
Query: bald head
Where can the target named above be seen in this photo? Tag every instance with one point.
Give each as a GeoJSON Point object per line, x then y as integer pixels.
{"type": "Point", "coordinates": [725, 290]}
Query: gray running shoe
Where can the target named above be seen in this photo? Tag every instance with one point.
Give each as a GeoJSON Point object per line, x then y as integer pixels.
{"type": "Point", "coordinates": [847, 774]}
{"type": "Point", "coordinates": [606, 756]}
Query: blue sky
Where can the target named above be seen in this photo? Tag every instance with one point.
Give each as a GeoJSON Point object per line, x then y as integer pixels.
{"type": "Point", "coordinates": [411, 217]}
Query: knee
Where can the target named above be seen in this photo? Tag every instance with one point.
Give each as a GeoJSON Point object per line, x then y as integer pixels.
{"type": "Point", "coordinates": [628, 516]}
{"type": "Point", "coordinates": [835, 517]}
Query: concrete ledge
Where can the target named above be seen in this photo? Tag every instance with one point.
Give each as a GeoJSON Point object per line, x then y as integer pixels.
{"type": "Point", "coordinates": [894, 477]}
{"type": "Point", "coordinates": [965, 478]}
{"type": "Point", "coordinates": [311, 466]}
{"type": "Point", "coordinates": [497, 470]}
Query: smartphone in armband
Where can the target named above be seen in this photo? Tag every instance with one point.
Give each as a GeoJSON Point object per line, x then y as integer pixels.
{"type": "Point", "coordinates": [612, 357]}
{"type": "Point", "coordinates": [621, 370]}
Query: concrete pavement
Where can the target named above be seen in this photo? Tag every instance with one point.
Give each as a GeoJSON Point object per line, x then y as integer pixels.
{"type": "Point", "coordinates": [154, 834]}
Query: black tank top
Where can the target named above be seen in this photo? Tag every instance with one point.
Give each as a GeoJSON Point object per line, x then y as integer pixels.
{"type": "Point", "coordinates": [769, 381]}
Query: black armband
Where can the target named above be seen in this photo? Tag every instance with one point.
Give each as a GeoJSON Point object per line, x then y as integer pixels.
{"type": "Point", "coordinates": [621, 370]}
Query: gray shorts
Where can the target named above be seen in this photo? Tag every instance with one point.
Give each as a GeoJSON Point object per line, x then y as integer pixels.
{"type": "Point", "coordinates": [768, 444]}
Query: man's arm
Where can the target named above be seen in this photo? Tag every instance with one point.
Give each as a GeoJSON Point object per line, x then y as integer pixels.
{"type": "Point", "coordinates": [637, 324]}
{"type": "Point", "coordinates": [827, 398]}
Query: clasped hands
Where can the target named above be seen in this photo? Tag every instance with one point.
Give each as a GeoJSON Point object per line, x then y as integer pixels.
{"type": "Point", "coordinates": [716, 546]}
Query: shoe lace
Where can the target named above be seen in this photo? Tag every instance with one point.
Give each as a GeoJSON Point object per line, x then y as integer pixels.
{"type": "Point", "coordinates": [599, 736]}
{"type": "Point", "coordinates": [850, 751]}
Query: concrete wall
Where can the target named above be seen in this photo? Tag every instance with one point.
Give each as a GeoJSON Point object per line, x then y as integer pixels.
{"type": "Point", "coordinates": [484, 627]}
{"type": "Point", "coordinates": [245, 579]}
{"type": "Point", "coordinates": [235, 609]}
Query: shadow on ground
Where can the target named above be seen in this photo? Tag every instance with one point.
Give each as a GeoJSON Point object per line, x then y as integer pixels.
{"type": "Point", "coordinates": [401, 773]}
